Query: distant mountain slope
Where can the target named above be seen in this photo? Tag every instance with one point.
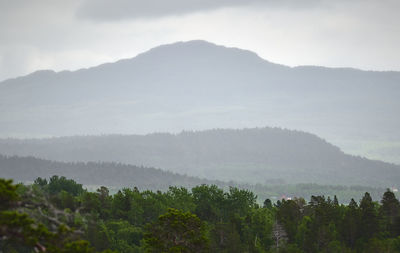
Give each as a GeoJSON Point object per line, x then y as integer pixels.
{"type": "Point", "coordinates": [199, 85]}
{"type": "Point", "coordinates": [257, 155]}
{"type": "Point", "coordinates": [116, 176]}
{"type": "Point", "coordinates": [24, 169]}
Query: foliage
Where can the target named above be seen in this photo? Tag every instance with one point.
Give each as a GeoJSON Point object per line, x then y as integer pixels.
{"type": "Point", "coordinates": [22, 231]}
{"type": "Point", "coordinates": [58, 215]}
{"type": "Point", "coordinates": [176, 231]}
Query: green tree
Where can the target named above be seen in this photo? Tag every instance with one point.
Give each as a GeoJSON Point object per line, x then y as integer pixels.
{"type": "Point", "coordinates": [350, 227]}
{"type": "Point", "coordinates": [267, 204]}
{"type": "Point", "coordinates": [225, 238]}
{"type": "Point", "coordinates": [240, 202]}
{"type": "Point", "coordinates": [390, 210]}
{"type": "Point", "coordinates": [260, 224]}
{"type": "Point", "coordinates": [19, 232]}
{"type": "Point", "coordinates": [180, 198]}
{"type": "Point", "coordinates": [58, 184]}
{"type": "Point", "coordinates": [210, 203]}
{"type": "Point", "coordinates": [369, 217]}
{"type": "Point", "coordinates": [124, 236]}
{"type": "Point", "coordinates": [176, 231]}
{"type": "Point", "coordinates": [8, 194]}
{"type": "Point", "coordinates": [41, 181]}
{"type": "Point", "coordinates": [105, 202]}
{"type": "Point", "coordinates": [289, 215]}
{"type": "Point", "coordinates": [305, 234]}
{"type": "Point", "coordinates": [80, 246]}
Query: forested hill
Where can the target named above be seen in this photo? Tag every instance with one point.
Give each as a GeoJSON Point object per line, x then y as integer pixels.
{"type": "Point", "coordinates": [117, 176]}
{"type": "Point", "coordinates": [259, 155]}
{"type": "Point", "coordinates": [27, 169]}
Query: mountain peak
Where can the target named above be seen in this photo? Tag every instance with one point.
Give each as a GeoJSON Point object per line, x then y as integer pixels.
{"type": "Point", "coordinates": [201, 49]}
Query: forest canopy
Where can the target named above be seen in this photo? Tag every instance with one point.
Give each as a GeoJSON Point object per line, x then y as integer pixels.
{"type": "Point", "coordinates": [59, 215]}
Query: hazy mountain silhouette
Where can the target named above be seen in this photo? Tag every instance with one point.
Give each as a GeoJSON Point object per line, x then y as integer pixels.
{"type": "Point", "coordinates": [199, 85]}
{"type": "Point", "coordinates": [259, 155]}
{"type": "Point", "coordinates": [117, 176]}
{"type": "Point", "coordinates": [27, 169]}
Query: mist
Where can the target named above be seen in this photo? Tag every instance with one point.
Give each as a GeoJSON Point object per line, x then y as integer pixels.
{"type": "Point", "coordinates": [199, 126]}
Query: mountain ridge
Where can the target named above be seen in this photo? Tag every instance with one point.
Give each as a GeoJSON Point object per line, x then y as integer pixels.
{"type": "Point", "coordinates": [256, 155]}
{"type": "Point", "coordinates": [117, 176]}
{"type": "Point", "coordinates": [94, 173]}
{"type": "Point", "coordinates": [178, 43]}
{"type": "Point", "coordinates": [199, 85]}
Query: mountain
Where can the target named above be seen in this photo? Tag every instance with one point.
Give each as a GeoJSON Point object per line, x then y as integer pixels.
{"type": "Point", "coordinates": [198, 85]}
{"type": "Point", "coordinates": [257, 155]}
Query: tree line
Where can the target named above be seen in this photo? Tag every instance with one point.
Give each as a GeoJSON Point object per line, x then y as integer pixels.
{"type": "Point", "coordinates": [59, 215]}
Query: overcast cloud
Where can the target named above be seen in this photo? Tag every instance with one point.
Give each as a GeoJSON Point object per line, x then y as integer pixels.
{"type": "Point", "coordinates": [55, 34]}
{"type": "Point", "coordinates": [132, 9]}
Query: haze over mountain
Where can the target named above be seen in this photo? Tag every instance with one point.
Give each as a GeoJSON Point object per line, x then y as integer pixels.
{"type": "Point", "coordinates": [259, 155]}
{"type": "Point", "coordinates": [116, 176]}
{"type": "Point", "coordinates": [198, 85]}
{"type": "Point", "coordinates": [27, 169]}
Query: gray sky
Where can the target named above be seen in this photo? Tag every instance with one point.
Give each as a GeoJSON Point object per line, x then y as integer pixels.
{"type": "Point", "coordinates": [73, 34]}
